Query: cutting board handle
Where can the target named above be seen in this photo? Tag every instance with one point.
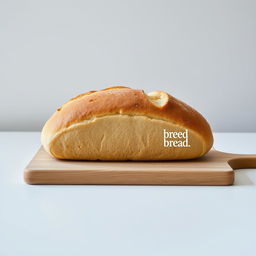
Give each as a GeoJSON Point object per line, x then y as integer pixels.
{"type": "Point", "coordinates": [240, 161]}
{"type": "Point", "coordinates": [243, 162]}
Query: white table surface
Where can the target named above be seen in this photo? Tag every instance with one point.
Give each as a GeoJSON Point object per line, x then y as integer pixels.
{"type": "Point", "coordinates": [124, 220]}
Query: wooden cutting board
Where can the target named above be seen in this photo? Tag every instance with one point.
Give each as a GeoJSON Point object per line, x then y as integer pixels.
{"type": "Point", "coordinates": [215, 168]}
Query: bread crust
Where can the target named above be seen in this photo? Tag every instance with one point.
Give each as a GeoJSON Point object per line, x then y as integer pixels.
{"type": "Point", "coordinates": [126, 101]}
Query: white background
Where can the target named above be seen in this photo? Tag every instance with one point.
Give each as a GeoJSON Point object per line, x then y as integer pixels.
{"type": "Point", "coordinates": [202, 52]}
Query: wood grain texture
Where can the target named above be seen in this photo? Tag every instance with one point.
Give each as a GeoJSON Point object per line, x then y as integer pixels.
{"type": "Point", "coordinates": [215, 168]}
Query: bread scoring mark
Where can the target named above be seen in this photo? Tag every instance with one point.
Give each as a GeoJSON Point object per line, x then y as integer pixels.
{"type": "Point", "coordinates": [91, 92]}
{"type": "Point", "coordinates": [75, 98]}
{"type": "Point", "coordinates": [115, 87]}
{"type": "Point", "coordinates": [158, 98]}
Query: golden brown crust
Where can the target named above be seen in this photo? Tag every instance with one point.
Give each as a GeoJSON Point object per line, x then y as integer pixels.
{"type": "Point", "coordinates": [124, 100]}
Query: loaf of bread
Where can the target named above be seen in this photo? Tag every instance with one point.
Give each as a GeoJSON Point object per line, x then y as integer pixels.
{"type": "Point", "coordinates": [120, 123]}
